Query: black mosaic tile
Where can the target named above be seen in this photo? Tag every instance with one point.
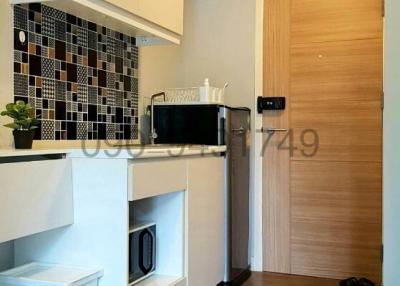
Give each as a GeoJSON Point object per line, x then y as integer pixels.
{"type": "Point", "coordinates": [38, 29]}
{"type": "Point", "coordinates": [102, 131]}
{"type": "Point", "coordinates": [127, 83]}
{"type": "Point", "coordinates": [17, 44]}
{"type": "Point", "coordinates": [47, 67]}
{"type": "Point", "coordinates": [35, 65]}
{"type": "Point", "coordinates": [20, 18]}
{"type": "Point", "coordinates": [17, 67]}
{"type": "Point", "coordinates": [82, 37]}
{"type": "Point", "coordinates": [61, 110]}
{"type": "Point", "coordinates": [48, 11]}
{"type": "Point", "coordinates": [71, 130]}
{"type": "Point", "coordinates": [102, 78]}
{"type": "Point", "coordinates": [48, 88]}
{"type": "Point", "coordinates": [36, 7]}
{"type": "Point", "coordinates": [60, 30]}
{"type": "Point", "coordinates": [82, 74]}
{"type": "Point", "coordinates": [72, 73]}
{"type": "Point", "coordinates": [59, 15]}
{"type": "Point", "coordinates": [48, 26]}
{"type": "Point", "coordinates": [17, 56]}
{"type": "Point", "coordinates": [82, 77]}
{"type": "Point", "coordinates": [119, 65]}
{"type": "Point", "coordinates": [82, 93]}
{"type": "Point", "coordinates": [61, 90]}
{"type": "Point", "coordinates": [20, 85]}
{"type": "Point", "coordinates": [48, 130]}
{"type": "Point", "coordinates": [38, 92]}
{"type": "Point", "coordinates": [82, 131]}
{"type": "Point", "coordinates": [60, 48]}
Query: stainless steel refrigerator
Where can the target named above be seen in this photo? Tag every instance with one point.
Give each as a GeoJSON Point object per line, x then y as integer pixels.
{"type": "Point", "coordinates": [214, 124]}
{"type": "Point", "coordinates": [237, 196]}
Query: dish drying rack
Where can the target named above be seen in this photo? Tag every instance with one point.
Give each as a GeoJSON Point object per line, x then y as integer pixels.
{"type": "Point", "coordinates": [195, 95]}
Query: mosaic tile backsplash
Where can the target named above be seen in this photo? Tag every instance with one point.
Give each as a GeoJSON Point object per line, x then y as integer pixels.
{"type": "Point", "coordinates": [81, 77]}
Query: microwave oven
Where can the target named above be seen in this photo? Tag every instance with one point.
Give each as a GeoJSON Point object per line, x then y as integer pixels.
{"type": "Point", "coordinates": [142, 252]}
{"type": "Point", "coordinates": [195, 124]}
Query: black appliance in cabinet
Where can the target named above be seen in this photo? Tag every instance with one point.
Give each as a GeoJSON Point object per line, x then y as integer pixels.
{"type": "Point", "coordinates": [142, 252]}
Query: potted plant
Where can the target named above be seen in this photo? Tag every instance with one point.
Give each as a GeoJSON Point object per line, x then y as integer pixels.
{"type": "Point", "coordinates": [24, 124]}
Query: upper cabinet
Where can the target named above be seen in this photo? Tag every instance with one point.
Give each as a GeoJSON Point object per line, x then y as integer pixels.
{"type": "Point", "coordinates": [151, 21]}
{"type": "Point", "coordinates": [166, 13]}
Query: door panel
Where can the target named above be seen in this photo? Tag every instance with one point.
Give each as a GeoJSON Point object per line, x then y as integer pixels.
{"type": "Point", "coordinates": [336, 89]}
{"type": "Point", "coordinates": [336, 210]}
{"type": "Point", "coordinates": [336, 191]}
{"type": "Point", "coordinates": [338, 252]}
{"type": "Point", "coordinates": [339, 20]}
{"type": "Point", "coordinates": [328, 65]}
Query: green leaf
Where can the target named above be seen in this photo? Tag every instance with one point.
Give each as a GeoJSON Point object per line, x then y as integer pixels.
{"type": "Point", "coordinates": [10, 107]}
{"type": "Point", "coordinates": [35, 122]}
{"type": "Point", "coordinates": [22, 114]}
{"type": "Point", "coordinates": [12, 126]}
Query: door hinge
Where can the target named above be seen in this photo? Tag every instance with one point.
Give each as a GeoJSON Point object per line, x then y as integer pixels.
{"type": "Point", "coordinates": [382, 253]}
{"type": "Point", "coordinates": [383, 8]}
{"type": "Point", "coordinates": [383, 100]}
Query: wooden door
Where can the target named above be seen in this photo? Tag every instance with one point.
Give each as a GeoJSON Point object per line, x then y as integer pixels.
{"type": "Point", "coordinates": [322, 178]}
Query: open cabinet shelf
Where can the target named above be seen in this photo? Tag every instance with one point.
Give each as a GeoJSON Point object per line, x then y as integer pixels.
{"type": "Point", "coordinates": [167, 212]}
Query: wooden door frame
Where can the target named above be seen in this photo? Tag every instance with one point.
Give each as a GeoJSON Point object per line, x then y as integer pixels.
{"type": "Point", "coordinates": [256, 182]}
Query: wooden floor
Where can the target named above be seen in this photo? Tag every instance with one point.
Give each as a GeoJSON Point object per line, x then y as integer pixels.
{"type": "Point", "coordinates": [272, 279]}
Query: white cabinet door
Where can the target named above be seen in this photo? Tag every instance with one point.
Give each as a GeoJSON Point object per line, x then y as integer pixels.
{"type": "Point", "coordinates": [34, 197]}
{"type": "Point", "coordinates": [205, 221]}
{"type": "Point", "coordinates": [150, 178]}
{"type": "Point", "coordinates": [166, 13]}
{"type": "Point", "coordinates": [128, 5]}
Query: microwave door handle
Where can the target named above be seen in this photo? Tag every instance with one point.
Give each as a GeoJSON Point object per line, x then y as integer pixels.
{"type": "Point", "coordinates": [142, 267]}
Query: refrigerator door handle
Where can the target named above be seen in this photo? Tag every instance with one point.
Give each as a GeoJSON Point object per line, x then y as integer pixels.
{"type": "Point", "coordinates": [240, 130]}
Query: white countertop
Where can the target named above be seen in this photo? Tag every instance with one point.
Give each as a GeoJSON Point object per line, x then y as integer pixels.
{"type": "Point", "coordinates": [34, 152]}
{"type": "Point", "coordinates": [146, 152]}
{"type": "Point", "coordinates": [133, 152]}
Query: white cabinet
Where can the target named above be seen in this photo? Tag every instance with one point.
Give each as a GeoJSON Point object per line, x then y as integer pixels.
{"type": "Point", "coordinates": [150, 21]}
{"type": "Point", "coordinates": [166, 13]}
{"type": "Point", "coordinates": [183, 196]}
{"type": "Point", "coordinates": [205, 221]}
{"type": "Point", "coordinates": [35, 196]}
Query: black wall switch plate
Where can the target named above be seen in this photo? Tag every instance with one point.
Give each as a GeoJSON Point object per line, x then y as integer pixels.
{"type": "Point", "coordinates": [270, 103]}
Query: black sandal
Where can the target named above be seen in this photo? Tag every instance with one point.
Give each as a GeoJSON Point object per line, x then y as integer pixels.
{"type": "Point", "coordinates": [349, 282]}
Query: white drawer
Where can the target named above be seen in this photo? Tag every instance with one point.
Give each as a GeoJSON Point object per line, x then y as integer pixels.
{"type": "Point", "coordinates": [151, 178]}
{"type": "Point", "coordinates": [35, 196]}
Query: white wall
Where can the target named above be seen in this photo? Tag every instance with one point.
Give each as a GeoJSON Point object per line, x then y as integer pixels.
{"type": "Point", "coordinates": [391, 131]}
{"type": "Point", "coordinates": [6, 64]}
{"type": "Point", "coordinates": [223, 42]}
{"type": "Point", "coordinates": [218, 43]}
{"type": "Point", "coordinates": [6, 95]}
